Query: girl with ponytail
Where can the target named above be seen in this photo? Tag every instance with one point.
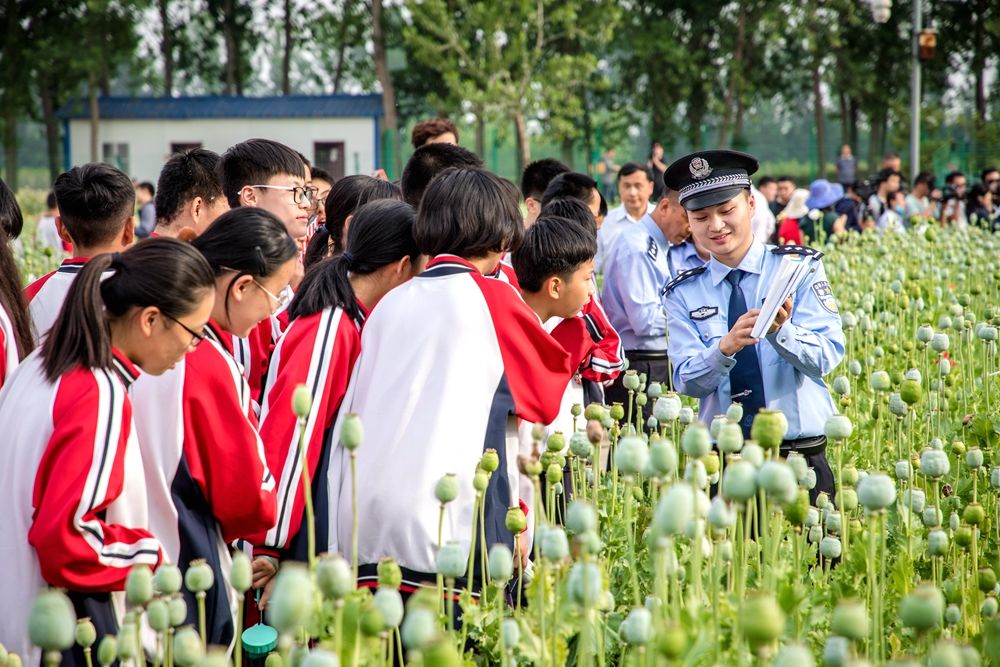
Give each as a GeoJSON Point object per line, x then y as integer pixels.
{"type": "Point", "coordinates": [207, 480]}
{"type": "Point", "coordinates": [16, 339]}
{"type": "Point", "coordinates": [318, 350]}
{"type": "Point", "coordinates": [75, 514]}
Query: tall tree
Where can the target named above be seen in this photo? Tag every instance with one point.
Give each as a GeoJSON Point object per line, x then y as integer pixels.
{"type": "Point", "coordinates": [389, 116]}
{"type": "Point", "coordinates": [286, 60]}
{"type": "Point", "coordinates": [166, 46]}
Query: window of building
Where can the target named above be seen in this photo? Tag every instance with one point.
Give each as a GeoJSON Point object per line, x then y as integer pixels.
{"type": "Point", "coordinates": [329, 155]}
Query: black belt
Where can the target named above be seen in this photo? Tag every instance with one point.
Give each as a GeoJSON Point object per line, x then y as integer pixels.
{"type": "Point", "coordinates": [809, 446]}
{"type": "Point", "coordinates": [646, 355]}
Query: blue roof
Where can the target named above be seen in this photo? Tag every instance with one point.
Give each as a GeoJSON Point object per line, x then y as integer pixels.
{"type": "Point", "coordinates": [222, 106]}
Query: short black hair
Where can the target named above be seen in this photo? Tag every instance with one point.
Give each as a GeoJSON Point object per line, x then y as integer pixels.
{"type": "Point", "coordinates": [321, 174]}
{"type": "Point", "coordinates": [184, 177]}
{"type": "Point", "coordinates": [788, 179]}
{"type": "Point", "coordinates": [429, 161]}
{"type": "Point", "coordinates": [570, 184]}
{"type": "Point", "coordinates": [986, 171]}
{"type": "Point", "coordinates": [50, 200]}
{"type": "Point", "coordinates": [570, 208]}
{"type": "Point", "coordinates": [924, 177]}
{"type": "Point", "coordinates": [552, 247]}
{"type": "Point", "coordinates": [950, 178]}
{"type": "Point", "coordinates": [95, 203]}
{"type": "Point", "coordinates": [148, 187]}
{"type": "Point", "coordinates": [886, 174]}
{"type": "Point", "coordinates": [469, 213]}
{"type": "Point", "coordinates": [766, 180]}
{"type": "Point", "coordinates": [254, 162]}
{"type": "Point", "coordinates": [630, 168]}
{"type": "Point", "coordinates": [536, 176]}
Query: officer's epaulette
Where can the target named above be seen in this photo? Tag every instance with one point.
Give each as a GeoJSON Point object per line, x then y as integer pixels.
{"type": "Point", "coordinates": [797, 250]}
{"type": "Point", "coordinates": [681, 277]}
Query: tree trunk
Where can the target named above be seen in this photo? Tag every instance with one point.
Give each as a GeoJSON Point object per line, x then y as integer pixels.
{"type": "Point", "coordinates": [979, 64]}
{"type": "Point", "coordinates": [480, 136]}
{"type": "Point", "coordinates": [95, 116]}
{"type": "Point", "coordinates": [567, 152]}
{"type": "Point", "coordinates": [844, 120]}
{"type": "Point", "coordinates": [47, 96]}
{"type": "Point", "coordinates": [10, 145]}
{"type": "Point", "coordinates": [230, 41]}
{"type": "Point", "coordinates": [820, 119]}
{"type": "Point", "coordinates": [739, 141]}
{"type": "Point", "coordinates": [588, 134]}
{"type": "Point", "coordinates": [167, 48]}
{"type": "Point", "coordinates": [389, 117]}
{"type": "Point", "coordinates": [852, 127]}
{"type": "Point", "coordinates": [286, 64]}
{"type": "Point", "coordinates": [523, 141]}
{"type": "Point", "coordinates": [735, 74]}
{"type": "Point", "coordinates": [338, 73]}
{"type": "Point", "coordinates": [874, 141]}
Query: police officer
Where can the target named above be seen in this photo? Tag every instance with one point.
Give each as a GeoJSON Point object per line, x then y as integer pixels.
{"type": "Point", "coordinates": [712, 310]}
{"type": "Point", "coordinates": [635, 273]}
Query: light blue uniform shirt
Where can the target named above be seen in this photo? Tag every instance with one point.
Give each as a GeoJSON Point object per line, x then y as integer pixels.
{"type": "Point", "coordinates": [793, 360]}
{"type": "Point", "coordinates": [634, 276]}
{"type": "Point", "coordinates": [682, 257]}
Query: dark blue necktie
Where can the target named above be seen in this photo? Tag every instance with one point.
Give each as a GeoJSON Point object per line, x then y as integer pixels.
{"type": "Point", "coordinates": [745, 380]}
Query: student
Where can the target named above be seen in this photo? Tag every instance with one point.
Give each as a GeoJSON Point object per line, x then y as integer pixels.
{"type": "Point", "coordinates": [46, 233]}
{"type": "Point", "coordinates": [319, 349]}
{"type": "Point", "coordinates": [95, 215]}
{"type": "Point", "coordinates": [144, 195]}
{"type": "Point", "coordinates": [75, 512]}
{"type": "Point", "coordinates": [16, 339]}
{"type": "Point", "coordinates": [322, 181]}
{"type": "Point", "coordinates": [189, 195]}
{"type": "Point", "coordinates": [345, 197]}
{"type": "Point", "coordinates": [429, 161]}
{"type": "Point", "coordinates": [577, 186]}
{"type": "Point", "coordinates": [206, 476]}
{"type": "Point", "coordinates": [470, 356]}
{"type": "Point", "coordinates": [534, 180]}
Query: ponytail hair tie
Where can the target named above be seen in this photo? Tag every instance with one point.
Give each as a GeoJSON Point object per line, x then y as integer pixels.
{"type": "Point", "coordinates": [261, 262]}
{"type": "Point", "coordinates": [348, 258]}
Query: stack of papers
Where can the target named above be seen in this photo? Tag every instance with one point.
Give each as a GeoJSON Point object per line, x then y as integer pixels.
{"type": "Point", "coordinates": [792, 274]}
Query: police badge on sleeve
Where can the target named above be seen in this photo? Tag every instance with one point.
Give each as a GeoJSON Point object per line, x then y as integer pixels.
{"type": "Point", "coordinates": [824, 293]}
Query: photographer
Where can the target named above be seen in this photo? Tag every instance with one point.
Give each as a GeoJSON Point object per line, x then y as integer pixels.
{"type": "Point", "coordinates": [921, 202]}
{"type": "Point", "coordinates": [953, 200]}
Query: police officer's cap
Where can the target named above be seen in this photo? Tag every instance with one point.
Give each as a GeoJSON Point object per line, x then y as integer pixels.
{"type": "Point", "coordinates": [707, 178]}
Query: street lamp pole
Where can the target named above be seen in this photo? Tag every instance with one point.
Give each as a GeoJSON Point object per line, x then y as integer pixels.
{"type": "Point", "coordinates": [915, 91]}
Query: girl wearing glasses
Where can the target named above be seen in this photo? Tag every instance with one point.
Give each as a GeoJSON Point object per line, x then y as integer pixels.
{"type": "Point", "coordinates": [319, 349]}
{"type": "Point", "coordinates": [206, 477]}
{"type": "Point", "coordinates": [75, 504]}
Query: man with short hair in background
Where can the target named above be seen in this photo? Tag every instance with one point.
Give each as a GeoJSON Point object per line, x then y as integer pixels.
{"type": "Point", "coordinates": [635, 187]}
{"type": "Point", "coordinates": [786, 186]}
{"type": "Point", "coordinates": [847, 166]}
{"type": "Point", "coordinates": [144, 193]}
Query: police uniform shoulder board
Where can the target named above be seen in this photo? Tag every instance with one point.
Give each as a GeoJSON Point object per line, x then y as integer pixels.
{"type": "Point", "coordinates": [797, 250]}
{"type": "Point", "coordinates": [681, 277]}
{"type": "Point", "coordinates": [652, 249]}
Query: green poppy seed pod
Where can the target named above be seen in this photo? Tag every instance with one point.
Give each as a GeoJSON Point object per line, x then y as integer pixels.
{"type": "Point", "coordinates": [107, 650]}
{"type": "Point", "coordinates": [841, 385]}
{"type": "Point", "coordinates": [168, 579]}
{"type": "Point", "coordinates": [515, 521]}
{"type": "Point", "coordinates": [685, 416]}
{"type": "Point", "coordinates": [815, 534]}
{"type": "Point", "coordinates": [940, 342]}
{"type": "Point", "coordinates": [241, 574]}
{"type": "Point", "coordinates": [730, 438]}
{"type": "Point", "coordinates": [963, 534]}
{"type": "Point", "coordinates": [720, 514]}
{"type": "Point", "coordinates": [126, 639]}
{"type": "Point", "coordinates": [711, 463]}
{"type": "Point", "coordinates": [419, 628]}
{"type": "Point", "coordinates": [897, 406]}
{"type": "Point", "coordinates": [944, 322]}
{"type": "Point", "coordinates": [739, 481]}
{"type": "Point", "coordinates": [188, 650]}
{"type": "Point", "coordinates": [158, 614]}
{"type": "Point", "coordinates": [654, 390]}
{"type": "Point", "coordinates": [501, 562]}
{"type": "Point", "coordinates": [554, 545]}
{"type": "Point", "coordinates": [849, 320]}
{"type": "Point", "coordinates": [637, 628]}
{"type": "Point", "coordinates": [52, 621]}
{"type": "Point", "coordinates": [877, 492]}
{"type": "Point", "coordinates": [320, 658]}
{"type": "Point", "coordinates": [446, 489]}
{"type": "Point", "coordinates": [631, 380]}
{"type": "Point", "coordinates": [952, 616]}
{"type": "Point", "coordinates": [850, 619]}
{"type": "Point", "coordinates": [199, 576]}
{"type": "Point", "coordinates": [989, 607]}
{"type": "Point", "coordinates": [139, 585]}
{"type": "Point", "coordinates": [390, 604]}
{"type": "Point", "coordinates": [441, 653]}
{"type": "Point", "coordinates": [490, 461]}
{"type": "Point", "coordinates": [293, 599]}
{"type": "Point", "coordinates": [352, 433]}
{"type": "Point", "coordinates": [652, 424]}
{"type": "Point", "coordinates": [585, 584]}
{"type": "Point", "coordinates": [579, 446]}
{"type": "Point", "coordinates": [695, 473]}
{"type": "Point", "coordinates": [510, 633]}
{"type": "Point", "coordinates": [837, 652]}
{"type": "Point", "coordinates": [389, 573]}
{"type": "Point", "coordinates": [769, 428]}
{"type": "Point", "coordinates": [880, 381]}
{"type": "Point", "coordinates": [480, 481]}
{"type": "Point", "coordinates": [537, 432]}
{"type": "Point", "coordinates": [533, 469]}
{"type": "Point", "coordinates": [831, 521]}
{"type": "Point", "coordinates": [914, 500]}
{"type": "Point", "coordinates": [987, 333]}
{"type": "Point", "coordinates": [301, 401]}
{"type": "Point", "coordinates": [903, 469]}
{"type": "Point", "coordinates": [675, 510]}
{"type": "Point", "coordinates": [556, 442]}
{"type": "Point", "coordinates": [86, 634]}
{"type": "Point", "coordinates": [696, 441]}
{"type": "Point", "coordinates": [922, 609]}
{"type": "Point", "coordinates": [216, 656]}
{"type": "Point", "coordinates": [451, 560]}
{"type": "Point", "coordinates": [713, 428]}
{"type": "Point", "coordinates": [973, 514]}
{"type": "Point", "coordinates": [925, 333]}
{"type": "Point", "coordinates": [812, 518]}
{"type": "Point", "coordinates": [987, 579]}
{"type": "Point", "coordinates": [576, 410]}
{"type": "Point", "coordinates": [937, 542]}
{"type": "Point", "coordinates": [931, 517]}
{"type": "Point", "coordinates": [762, 620]}
{"type": "Point", "coordinates": [594, 412]}
{"type": "Point", "coordinates": [641, 400]}
{"type": "Point", "coordinates": [913, 374]}
{"type": "Point", "coordinates": [910, 391]}
{"type": "Point", "coordinates": [793, 655]}
{"type": "Point", "coordinates": [631, 455]}
{"type": "Point", "coordinates": [178, 610]}
{"type": "Point", "coordinates": [734, 412]}
{"type": "Point", "coordinates": [830, 547]}
{"type": "Point", "coordinates": [944, 366]}
{"type": "Point", "coordinates": [553, 473]}
{"type": "Point", "coordinates": [334, 576]}
{"type": "Point", "coordinates": [667, 408]}
{"type": "Point", "coordinates": [822, 500]}
{"type": "Point", "coordinates": [855, 368]}
{"type": "Point", "coordinates": [934, 463]}
{"type": "Point", "coordinates": [777, 480]}
{"type": "Point", "coordinates": [995, 477]}
{"type": "Point", "coordinates": [797, 510]}
{"type": "Point", "coordinates": [974, 458]}
{"type": "Point", "coordinates": [581, 517]}
{"type": "Point", "coordinates": [616, 412]}
{"type": "Point", "coordinates": [937, 443]}
{"type": "Point", "coordinates": [663, 457]}
{"type": "Point", "coordinates": [847, 500]}
{"type": "Point", "coordinates": [589, 542]}
{"type": "Point", "coordinates": [798, 464]}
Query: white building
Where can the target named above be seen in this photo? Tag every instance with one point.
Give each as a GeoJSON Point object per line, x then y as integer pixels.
{"type": "Point", "coordinates": [339, 133]}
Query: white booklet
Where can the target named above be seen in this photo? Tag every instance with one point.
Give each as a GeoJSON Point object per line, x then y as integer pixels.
{"type": "Point", "coordinates": [791, 275]}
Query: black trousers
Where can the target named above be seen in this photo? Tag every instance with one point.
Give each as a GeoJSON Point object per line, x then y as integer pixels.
{"type": "Point", "coordinates": [655, 365]}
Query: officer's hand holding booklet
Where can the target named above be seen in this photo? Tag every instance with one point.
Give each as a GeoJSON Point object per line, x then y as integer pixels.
{"type": "Point", "coordinates": [791, 276]}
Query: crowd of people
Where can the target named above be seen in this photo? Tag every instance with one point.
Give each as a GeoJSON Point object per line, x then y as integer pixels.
{"type": "Point", "coordinates": [147, 384]}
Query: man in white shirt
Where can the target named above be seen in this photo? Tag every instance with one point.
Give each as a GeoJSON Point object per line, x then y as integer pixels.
{"type": "Point", "coordinates": [46, 233]}
{"type": "Point", "coordinates": [635, 187]}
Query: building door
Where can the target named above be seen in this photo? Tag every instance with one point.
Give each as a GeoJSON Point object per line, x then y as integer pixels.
{"type": "Point", "coordinates": [183, 146]}
{"type": "Point", "coordinates": [329, 155]}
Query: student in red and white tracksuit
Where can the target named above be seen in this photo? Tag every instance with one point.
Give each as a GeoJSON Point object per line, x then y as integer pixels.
{"type": "Point", "coordinates": [449, 360]}
{"type": "Point", "coordinates": [206, 474]}
{"type": "Point", "coordinates": [75, 512]}
{"type": "Point", "coordinates": [319, 350]}
{"type": "Point", "coordinates": [16, 338]}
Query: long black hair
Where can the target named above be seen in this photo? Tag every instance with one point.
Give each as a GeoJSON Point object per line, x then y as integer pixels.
{"type": "Point", "coordinates": [380, 233]}
{"type": "Point", "coordinates": [249, 240]}
{"type": "Point", "coordinates": [161, 272]}
{"type": "Point", "coordinates": [346, 196]}
{"type": "Point", "coordinates": [11, 296]}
